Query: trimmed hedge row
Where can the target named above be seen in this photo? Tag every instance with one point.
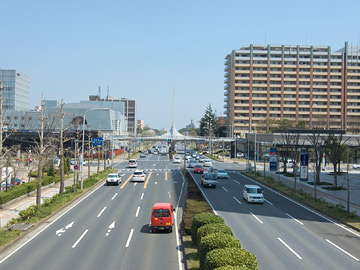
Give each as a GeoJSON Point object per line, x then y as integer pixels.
{"type": "Point", "coordinates": [215, 241]}
{"type": "Point", "coordinates": [201, 220]}
{"type": "Point", "coordinates": [230, 257]}
{"type": "Point", "coordinates": [212, 228]}
{"type": "Point", "coordinates": [230, 267]}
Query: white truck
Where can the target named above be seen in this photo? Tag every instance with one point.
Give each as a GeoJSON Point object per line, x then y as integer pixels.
{"type": "Point", "coordinates": [163, 150]}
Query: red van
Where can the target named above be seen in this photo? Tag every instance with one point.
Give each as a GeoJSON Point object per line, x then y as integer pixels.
{"type": "Point", "coordinates": [162, 217]}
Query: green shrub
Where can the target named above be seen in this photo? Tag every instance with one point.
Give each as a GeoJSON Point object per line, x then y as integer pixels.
{"type": "Point", "coordinates": [215, 241]}
{"type": "Point", "coordinates": [231, 257]}
{"type": "Point", "coordinates": [230, 267]}
{"type": "Point", "coordinates": [28, 212]}
{"type": "Point", "coordinates": [202, 219]}
{"type": "Point", "coordinates": [212, 228]}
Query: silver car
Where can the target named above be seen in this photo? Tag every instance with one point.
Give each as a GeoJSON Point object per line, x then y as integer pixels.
{"type": "Point", "coordinates": [221, 173]}
{"type": "Point", "coordinates": [209, 180]}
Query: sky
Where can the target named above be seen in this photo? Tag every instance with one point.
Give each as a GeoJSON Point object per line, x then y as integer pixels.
{"type": "Point", "coordinates": [144, 50]}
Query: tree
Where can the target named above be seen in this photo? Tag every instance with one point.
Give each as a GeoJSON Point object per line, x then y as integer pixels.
{"type": "Point", "coordinates": [208, 123]}
{"type": "Point", "coordinates": [335, 151]}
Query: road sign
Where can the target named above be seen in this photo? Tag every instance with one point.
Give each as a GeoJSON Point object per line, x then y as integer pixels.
{"type": "Point", "coordinates": [304, 163]}
{"type": "Point", "coordinates": [76, 167]}
{"type": "Point", "coordinates": [97, 141]}
{"type": "Point", "coordinates": [273, 159]}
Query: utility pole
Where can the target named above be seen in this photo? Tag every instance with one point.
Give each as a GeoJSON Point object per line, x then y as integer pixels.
{"type": "Point", "coordinates": [62, 184]}
{"type": "Point", "coordinates": [1, 131]}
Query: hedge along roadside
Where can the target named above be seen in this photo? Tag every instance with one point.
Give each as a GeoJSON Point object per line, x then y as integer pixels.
{"type": "Point", "coordinates": [200, 220]}
{"type": "Point", "coordinates": [212, 228]}
{"type": "Point", "coordinates": [215, 241]}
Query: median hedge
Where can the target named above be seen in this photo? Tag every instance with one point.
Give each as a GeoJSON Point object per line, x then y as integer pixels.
{"type": "Point", "coordinates": [201, 220]}
{"type": "Point", "coordinates": [230, 267]}
{"type": "Point", "coordinates": [212, 228]}
{"type": "Point", "coordinates": [216, 241]}
{"type": "Point", "coordinates": [230, 257]}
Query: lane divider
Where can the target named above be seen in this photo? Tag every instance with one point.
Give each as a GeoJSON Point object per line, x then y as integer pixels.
{"type": "Point", "coordinates": [347, 253]}
{"type": "Point", "coordinates": [286, 245]}
{"type": "Point", "coordinates": [147, 180]}
{"type": "Point", "coordinates": [127, 180]}
{"type": "Point", "coordinates": [81, 237]}
{"type": "Point", "coordinates": [165, 176]}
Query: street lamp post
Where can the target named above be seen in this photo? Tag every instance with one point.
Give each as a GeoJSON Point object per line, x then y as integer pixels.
{"type": "Point", "coordinates": [83, 141]}
{"type": "Point", "coordinates": [255, 150]}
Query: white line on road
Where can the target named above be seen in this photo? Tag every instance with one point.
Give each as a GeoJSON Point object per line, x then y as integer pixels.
{"type": "Point", "coordinates": [129, 239]}
{"type": "Point", "coordinates": [81, 237]}
{"type": "Point", "coordinates": [169, 194]}
{"type": "Point", "coordinates": [236, 182]}
{"type": "Point", "coordinates": [135, 184]}
{"type": "Point", "coordinates": [268, 202]}
{"type": "Point", "coordinates": [142, 196]}
{"type": "Point", "coordinates": [347, 253]}
{"type": "Point", "coordinates": [256, 218]}
{"type": "Point", "coordinates": [237, 200]}
{"type": "Point", "coordinates": [225, 189]}
{"type": "Point", "coordinates": [137, 211]}
{"type": "Point", "coordinates": [114, 196]}
{"type": "Point", "coordinates": [286, 245]}
{"type": "Point", "coordinates": [101, 212]}
{"type": "Point", "coordinates": [294, 218]}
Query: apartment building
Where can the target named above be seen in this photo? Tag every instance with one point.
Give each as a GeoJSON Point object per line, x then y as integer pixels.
{"type": "Point", "coordinates": [300, 83]}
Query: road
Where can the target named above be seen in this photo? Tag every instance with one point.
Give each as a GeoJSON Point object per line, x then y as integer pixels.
{"type": "Point", "coordinates": [282, 233]}
{"type": "Point", "coordinates": [109, 229]}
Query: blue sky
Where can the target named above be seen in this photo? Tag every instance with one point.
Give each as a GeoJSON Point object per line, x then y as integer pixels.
{"type": "Point", "coordinates": [144, 49]}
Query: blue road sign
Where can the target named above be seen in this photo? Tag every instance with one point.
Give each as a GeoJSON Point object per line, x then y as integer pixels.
{"type": "Point", "coordinates": [97, 141]}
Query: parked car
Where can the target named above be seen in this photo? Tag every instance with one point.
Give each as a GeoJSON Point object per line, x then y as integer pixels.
{"type": "Point", "coordinates": [221, 173]}
{"type": "Point", "coordinates": [209, 179]}
{"type": "Point", "coordinates": [198, 169]}
{"type": "Point", "coordinates": [17, 181]}
{"type": "Point", "coordinates": [240, 155]}
{"type": "Point", "coordinates": [138, 176]}
{"type": "Point", "coordinates": [207, 163]}
{"type": "Point", "coordinates": [162, 217]}
{"type": "Point", "coordinates": [253, 193]}
{"type": "Point", "coordinates": [132, 163]}
{"type": "Point", "coordinates": [5, 186]}
{"type": "Point", "coordinates": [113, 178]}
{"type": "Point", "coordinates": [177, 159]}
{"type": "Point", "coordinates": [356, 166]}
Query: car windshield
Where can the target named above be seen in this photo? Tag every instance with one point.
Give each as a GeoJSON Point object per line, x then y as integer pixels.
{"type": "Point", "coordinates": [138, 173]}
{"type": "Point", "coordinates": [254, 190]}
{"type": "Point", "coordinates": [198, 166]}
{"type": "Point", "coordinates": [210, 176]}
{"type": "Point", "coordinates": [161, 213]}
{"type": "Point", "coordinates": [221, 171]}
{"type": "Point", "coordinates": [132, 161]}
{"type": "Point", "coordinates": [112, 176]}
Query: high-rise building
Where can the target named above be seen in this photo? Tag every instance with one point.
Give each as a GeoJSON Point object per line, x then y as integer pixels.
{"type": "Point", "coordinates": [300, 83]}
{"type": "Point", "coordinates": [16, 90]}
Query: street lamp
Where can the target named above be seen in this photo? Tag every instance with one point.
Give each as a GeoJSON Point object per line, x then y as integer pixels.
{"type": "Point", "coordinates": [83, 141]}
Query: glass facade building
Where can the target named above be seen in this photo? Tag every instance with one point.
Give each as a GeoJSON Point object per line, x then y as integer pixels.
{"type": "Point", "coordinates": [16, 90]}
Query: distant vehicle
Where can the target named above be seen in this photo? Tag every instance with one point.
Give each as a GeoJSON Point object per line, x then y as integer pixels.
{"type": "Point", "coordinates": [138, 176]}
{"type": "Point", "coordinates": [132, 163]}
{"type": "Point", "coordinates": [198, 169]}
{"type": "Point", "coordinates": [142, 155]}
{"type": "Point", "coordinates": [356, 166]}
{"type": "Point", "coordinates": [207, 163]}
{"type": "Point", "coordinates": [113, 178]}
{"type": "Point", "coordinates": [221, 173]}
{"type": "Point", "coordinates": [177, 159]}
{"type": "Point", "coordinates": [240, 155]}
{"type": "Point", "coordinates": [202, 159]}
{"type": "Point", "coordinates": [17, 181]}
{"type": "Point", "coordinates": [163, 150]}
{"type": "Point", "coordinates": [253, 193]}
{"type": "Point", "coordinates": [5, 186]}
{"type": "Point", "coordinates": [192, 163]}
{"type": "Point", "coordinates": [72, 162]}
{"type": "Point", "coordinates": [266, 156]}
{"type": "Point", "coordinates": [162, 217]}
{"type": "Point", "coordinates": [209, 179]}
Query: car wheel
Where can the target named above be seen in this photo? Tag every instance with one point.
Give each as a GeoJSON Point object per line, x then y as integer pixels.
{"type": "Point", "coordinates": [170, 230]}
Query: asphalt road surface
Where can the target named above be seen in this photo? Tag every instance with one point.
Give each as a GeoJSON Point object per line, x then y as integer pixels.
{"type": "Point", "coordinates": [109, 229]}
{"type": "Point", "coordinates": [282, 233]}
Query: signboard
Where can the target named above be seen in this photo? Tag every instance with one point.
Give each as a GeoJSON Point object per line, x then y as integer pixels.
{"type": "Point", "coordinates": [76, 167]}
{"type": "Point", "coordinates": [273, 160]}
{"type": "Point", "coordinates": [304, 163]}
{"type": "Point", "coordinates": [97, 141]}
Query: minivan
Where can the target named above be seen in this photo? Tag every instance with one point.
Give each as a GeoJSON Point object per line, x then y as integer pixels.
{"type": "Point", "coordinates": [162, 217]}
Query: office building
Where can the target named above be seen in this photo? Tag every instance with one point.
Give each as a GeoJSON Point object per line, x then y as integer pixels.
{"type": "Point", "coordinates": [301, 83]}
{"type": "Point", "coordinates": [16, 90]}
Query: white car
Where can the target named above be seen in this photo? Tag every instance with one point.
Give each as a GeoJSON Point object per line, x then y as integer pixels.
{"type": "Point", "coordinates": [132, 163]}
{"type": "Point", "coordinates": [138, 176]}
{"type": "Point", "coordinates": [253, 193]}
{"type": "Point", "coordinates": [356, 166]}
{"type": "Point", "coordinates": [207, 163]}
{"type": "Point", "coordinates": [177, 159]}
{"type": "Point", "coordinates": [113, 178]}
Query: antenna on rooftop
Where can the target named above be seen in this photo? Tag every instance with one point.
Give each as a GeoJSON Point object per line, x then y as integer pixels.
{"type": "Point", "coordinates": [99, 91]}
{"type": "Point", "coordinates": [108, 90]}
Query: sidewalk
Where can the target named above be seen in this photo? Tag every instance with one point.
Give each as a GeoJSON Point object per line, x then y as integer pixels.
{"type": "Point", "coordinates": [11, 209]}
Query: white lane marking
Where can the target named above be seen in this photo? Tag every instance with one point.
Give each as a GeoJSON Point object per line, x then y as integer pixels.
{"type": "Point", "coordinates": [135, 184]}
{"type": "Point", "coordinates": [347, 253]}
{"type": "Point", "coordinates": [137, 212]}
{"type": "Point", "coordinates": [286, 245]}
{"type": "Point", "coordinates": [142, 196]}
{"type": "Point", "coordinates": [114, 196]}
{"type": "Point", "coordinates": [294, 218]}
{"type": "Point", "coordinates": [169, 194]}
{"type": "Point", "coordinates": [129, 239]}
{"type": "Point", "coordinates": [101, 212]}
{"type": "Point", "coordinates": [81, 237]}
{"type": "Point", "coordinates": [225, 189]}
{"type": "Point", "coordinates": [268, 202]}
{"type": "Point", "coordinates": [154, 165]}
{"type": "Point", "coordinates": [112, 226]}
{"type": "Point", "coordinates": [256, 218]}
{"type": "Point", "coordinates": [236, 182]}
{"type": "Point", "coordinates": [176, 227]}
{"type": "Point", "coordinates": [237, 200]}
{"type": "Point", "coordinates": [310, 210]}
{"type": "Point", "coordinates": [123, 174]}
